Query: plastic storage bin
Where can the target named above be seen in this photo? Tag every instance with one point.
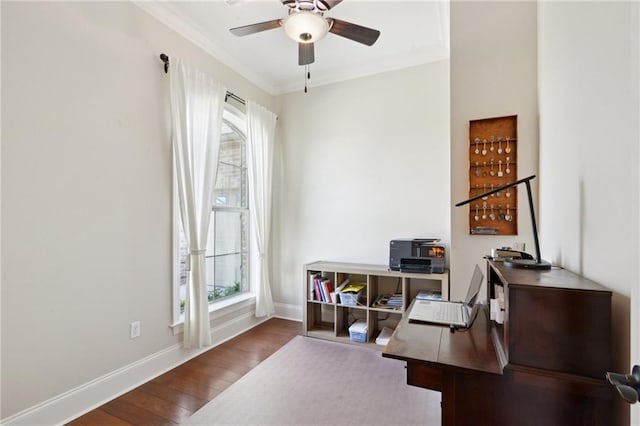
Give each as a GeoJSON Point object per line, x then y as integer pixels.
{"type": "Point", "coordinates": [358, 331]}
{"type": "Point", "coordinates": [351, 299]}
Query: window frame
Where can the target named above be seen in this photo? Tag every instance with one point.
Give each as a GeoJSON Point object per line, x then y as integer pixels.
{"type": "Point", "coordinates": [238, 121]}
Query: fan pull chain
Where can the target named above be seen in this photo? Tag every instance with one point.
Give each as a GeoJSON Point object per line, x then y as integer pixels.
{"type": "Point", "coordinates": [307, 76]}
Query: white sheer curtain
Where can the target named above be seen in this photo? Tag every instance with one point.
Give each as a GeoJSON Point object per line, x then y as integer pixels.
{"type": "Point", "coordinates": [261, 124]}
{"type": "Point", "coordinates": [197, 102]}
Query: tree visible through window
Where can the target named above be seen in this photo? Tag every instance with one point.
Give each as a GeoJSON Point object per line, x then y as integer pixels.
{"type": "Point", "coordinates": [228, 242]}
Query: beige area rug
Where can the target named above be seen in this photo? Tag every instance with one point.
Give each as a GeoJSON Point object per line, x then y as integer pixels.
{"type": "Point", "coordinates": [316, 382]}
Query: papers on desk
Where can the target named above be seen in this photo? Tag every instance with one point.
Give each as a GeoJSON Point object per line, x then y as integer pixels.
{"type": "Point", "coordinates": [429, 295]}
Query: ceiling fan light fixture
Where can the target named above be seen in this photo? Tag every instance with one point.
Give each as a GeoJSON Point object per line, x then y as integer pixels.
{"type": "Point", "coordinates": [306, 27]}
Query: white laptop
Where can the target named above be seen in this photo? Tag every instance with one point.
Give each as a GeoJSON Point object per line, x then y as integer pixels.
{"type": "Point", "coordinates": [460, 314]}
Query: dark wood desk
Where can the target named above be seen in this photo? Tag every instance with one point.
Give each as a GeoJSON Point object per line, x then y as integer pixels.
{"type": "Point", "coordinates": [480, 386]}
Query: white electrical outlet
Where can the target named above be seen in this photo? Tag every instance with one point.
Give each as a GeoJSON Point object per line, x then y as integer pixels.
{"type": "Point", "coordinates": [134, 329]}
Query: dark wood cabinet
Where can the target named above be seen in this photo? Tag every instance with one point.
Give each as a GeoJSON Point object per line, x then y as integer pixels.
{"type": "Point", "coordinates": [544, 365]}
{"type": "Point", "coordinates": [554, 320]}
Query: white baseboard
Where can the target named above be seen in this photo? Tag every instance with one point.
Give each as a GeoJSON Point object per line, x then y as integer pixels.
{"type": "Point", "coordinates": [82, 399]}
{"type": "Point", "coordinates": [290, 312]}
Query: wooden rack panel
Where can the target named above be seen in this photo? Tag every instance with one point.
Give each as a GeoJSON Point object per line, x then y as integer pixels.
{"type": "Point", "coordinates": [493, 162]}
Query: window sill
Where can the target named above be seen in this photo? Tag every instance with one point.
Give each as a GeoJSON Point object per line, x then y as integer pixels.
{"type": "Point", "coordinates": [231, 301]}
{"type": "Point", "coordinates": [219, 309]}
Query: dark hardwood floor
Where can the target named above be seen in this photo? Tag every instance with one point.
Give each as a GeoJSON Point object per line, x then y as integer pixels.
{"type": "Point", "coordinates": [171, 398]}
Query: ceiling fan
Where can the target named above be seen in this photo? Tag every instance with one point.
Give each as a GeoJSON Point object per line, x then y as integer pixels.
{"type": "Point", "coordinates": [306, 24]}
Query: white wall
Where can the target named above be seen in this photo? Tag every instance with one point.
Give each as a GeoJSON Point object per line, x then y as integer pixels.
{"type": "Point", "coordinates": [86, 191]}
{"type": "Point", "coordinates": [493, 74]}
{"type": "Point", "coordinates": [86, 169]}
{"type": "Point", "coordinates": [635, 287]}
{"type": "Point", "coordinates": [361, 162]}
{"type": "Point", "coordinates": [589, 133]}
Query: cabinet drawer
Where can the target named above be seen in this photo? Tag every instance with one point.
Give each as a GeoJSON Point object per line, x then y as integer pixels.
{"type": "Point", "coordinates": [564, 330]}
{"type": "Point", "coordinates": [424, 376]}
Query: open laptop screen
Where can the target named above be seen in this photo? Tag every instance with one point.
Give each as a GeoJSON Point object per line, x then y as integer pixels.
{"type": "Point", "coordinates": [474, 287]}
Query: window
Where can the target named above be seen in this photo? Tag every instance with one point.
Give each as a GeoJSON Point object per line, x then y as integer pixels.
{"type": "Point", "coordinates": [227, 254]}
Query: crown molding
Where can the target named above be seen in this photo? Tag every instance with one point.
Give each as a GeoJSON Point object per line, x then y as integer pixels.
{"type": "Point", "coordinates": [167, 15]}
{"type": "Point", "coordinates": [380, 66]}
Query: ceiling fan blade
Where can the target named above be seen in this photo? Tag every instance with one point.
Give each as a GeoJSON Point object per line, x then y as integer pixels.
{"type": "Point", "coordinates": [354, 32]}
{"type": "Point", "coordinates": [305, 53]}
{"type": "Point", "coordinates": [256, 28]}
{"type": "Point", "coordinates": [329, 4]}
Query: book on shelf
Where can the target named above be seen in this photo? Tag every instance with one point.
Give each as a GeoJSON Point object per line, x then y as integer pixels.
{"type": "Point", "coordinates": [317, 289]}
{"type": "Point", "coordinates": [343, 285]}
{"type": "Point", "coordinates": [313, 295]}
{"type": "Point", "coordinates": [320, 288]}
{"type": "Point", "coordinates": [316, 282]}
{"type": "Point", "coordinates": [388, 301]}
{"type": "Point", "coordinates": [327, 290]}
{"type": "Point", "coordinates": [353, 287]}
{"type": "Point", "coordinates": [340, 288]}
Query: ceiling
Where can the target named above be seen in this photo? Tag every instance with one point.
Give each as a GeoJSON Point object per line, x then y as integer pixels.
{"type": "Point", "coordinates": [412, 33]}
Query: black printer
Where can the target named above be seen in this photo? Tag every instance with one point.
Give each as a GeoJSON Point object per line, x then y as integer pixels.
{"type": "Point", "coordinates": [421, 255]}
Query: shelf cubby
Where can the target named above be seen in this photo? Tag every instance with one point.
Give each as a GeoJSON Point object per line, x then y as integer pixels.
{"type": "Point", "coordinates": [332, 320]}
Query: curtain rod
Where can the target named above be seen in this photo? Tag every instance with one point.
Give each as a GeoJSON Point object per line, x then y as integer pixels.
{"type": "Point", "coordinates": [165, 59]}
